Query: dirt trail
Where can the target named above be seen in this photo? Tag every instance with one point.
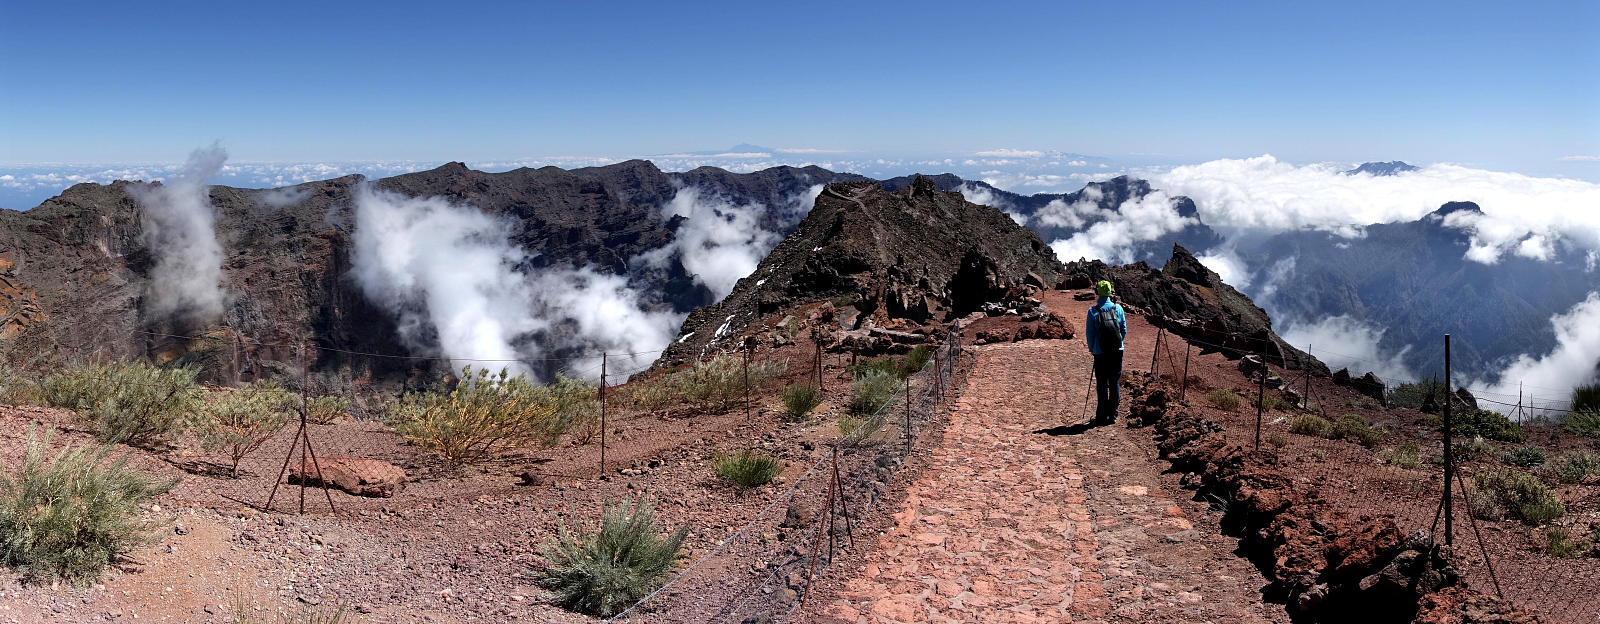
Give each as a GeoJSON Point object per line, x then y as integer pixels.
{"type": "Point", "coordinates": [1020, 517]}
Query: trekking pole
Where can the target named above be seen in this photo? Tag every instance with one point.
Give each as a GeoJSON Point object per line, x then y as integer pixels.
{"type": "Point", "coordinates": [1088, 389]}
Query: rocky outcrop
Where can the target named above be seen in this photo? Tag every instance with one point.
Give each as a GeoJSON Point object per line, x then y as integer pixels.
{"type": "Point", "coordinates": [906, 262]}
{"type": "Point", "coordinates": [19, 307]}
{"type": "Point", "coordinates": [1368, 385]}
{"type": "Point", "coordinates": [1190, 300]}
{"type": "Point", "coordinates": [358, 476]}
{"type": "Point", "coordinates": [1325, 564]}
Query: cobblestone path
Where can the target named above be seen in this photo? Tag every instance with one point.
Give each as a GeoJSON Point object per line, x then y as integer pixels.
{"type": "Point", "coordinates": [1008, 524]}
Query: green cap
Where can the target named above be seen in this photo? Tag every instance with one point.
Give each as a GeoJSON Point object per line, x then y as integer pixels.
{"type": "Point", "coordinates": [1104, 289]}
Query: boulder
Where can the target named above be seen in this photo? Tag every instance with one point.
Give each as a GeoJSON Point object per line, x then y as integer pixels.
{"type": "Point", "coordinates": [1370, 385]}
{"type": "Point", "coordinates": [356, 475]}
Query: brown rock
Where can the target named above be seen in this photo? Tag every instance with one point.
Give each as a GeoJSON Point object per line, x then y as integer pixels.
{"type": "Point", "coordinates": [356, 475]}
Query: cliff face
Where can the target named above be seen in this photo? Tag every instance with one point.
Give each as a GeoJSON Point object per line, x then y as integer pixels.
{"type": "Point", "coordinates": [904, 260]}
{"type": "Point", "coordinates": [1192, 301]}
{"type": "Point", "coordinates": [74, 271]}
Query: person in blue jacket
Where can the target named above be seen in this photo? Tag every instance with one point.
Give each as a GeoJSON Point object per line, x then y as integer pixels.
{"type": "Point", "coordinates": [1105, 330]}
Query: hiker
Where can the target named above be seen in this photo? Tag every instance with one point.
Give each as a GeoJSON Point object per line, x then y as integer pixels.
{"type": "Point", "coordinates": [1104, 331]}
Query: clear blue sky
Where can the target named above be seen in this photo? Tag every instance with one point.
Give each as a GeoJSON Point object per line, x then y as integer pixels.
{"type": "Point", "coordinates": [1499, 84]}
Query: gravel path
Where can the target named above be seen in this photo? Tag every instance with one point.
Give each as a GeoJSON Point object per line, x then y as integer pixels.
{"type": "Point", "coordinates": [1021, 519]}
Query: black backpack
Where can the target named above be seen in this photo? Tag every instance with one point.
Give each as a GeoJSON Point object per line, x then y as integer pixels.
{"type": "Point", "coordinates": [1110, 331]}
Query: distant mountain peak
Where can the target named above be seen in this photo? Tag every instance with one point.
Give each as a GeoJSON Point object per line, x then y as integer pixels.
{"type": "Point", "coordinates": [1393, 167]}
{"type": "Point", "coordinates": [1454, 207]}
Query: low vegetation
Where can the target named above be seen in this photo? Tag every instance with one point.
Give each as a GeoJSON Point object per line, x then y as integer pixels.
{"type": "Point", "coordinates": [323, 410]}
{"type": "Point", "coordinates": [1311, 425]}
{"type": "Point", "coordinates": [1223, 399]}
{"type": "Point", "coordinates": [244, 612]}
{"type": "Point", "coordinates": [1413, 395]}
{"type": "Point", "coordinates": [16, 389]}
{"type": "Point", "coordinates": [602, 570]}
{"type": "Point", "coordinates": [1354, 428]}
{"type": "Point", "coordinates": [1473, 448]}
{"type": "Point", "coordinates": [1478, 422]}
{"type": "Point", "coordinates": [746, 469]}
{"type": "Point", "coordinates": [1585, 423]}
{"type": "Point", "coordinates": [1576, 466]}
{"type": "Point", "coordinates": [1586, 399]}
{"type": "Point", "coordinates": [481, 417]}
{"type": "Point", "coordinates": [900, 366]}
{"type": "Point", "coordinates": [859, 428]}
{"type": "Point", "coordinates": [1274, 402]}
{"type": "Point", "coordinates": [1408, 456]}
{"type": "Point", "coordinates": [136, 403]}
{"type": "Point", "coordinates": [717, 384]}
{"type": "Point", "coordinates": [1508, 492]}
{"type": "Point", "coordinates": [799, 400]}
{"type": "Point", "coordinates": [874, 390]}
{"type": "Point", "coordinates": [239, 421]}
{"type": "Point", "coordinates": [576, 404]}
{"type": "Point", "coordinates": [1524, 457]}
{"type": "Point", "coordinates": [1275, 440]}
{"type": "Point", "coordinates": [69, 516]}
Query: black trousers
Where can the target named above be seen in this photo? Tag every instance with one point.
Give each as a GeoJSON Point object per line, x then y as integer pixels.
{"type": "Point", "coordinates": [1107, 385]}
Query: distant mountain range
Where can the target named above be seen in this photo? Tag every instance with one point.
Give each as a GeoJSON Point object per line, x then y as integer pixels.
{"type": "Point", "coordinates": [74, 271]}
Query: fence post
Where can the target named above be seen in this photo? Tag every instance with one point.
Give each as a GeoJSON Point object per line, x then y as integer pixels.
{"type": "Point", "coordinates": [1183, 391]}
{"type": "Point", "coordinates": [747, 383]}
{"type": "Point", "coordinates": [1307, 365]}
{"type": "Point", "coordinates": [908, 418]}
{"type": "Point", "coordinates": [603, 358]}
{"type": "Point", "coordinates": [1261, 398]}
{"type": "Point", "coordinates": [1156, 351]}
{"type": "Point", "coordinates": [1449, 452]}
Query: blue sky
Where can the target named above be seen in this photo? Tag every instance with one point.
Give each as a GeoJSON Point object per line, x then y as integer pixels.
{"type": "Point", "coordinates": [1506, 86]}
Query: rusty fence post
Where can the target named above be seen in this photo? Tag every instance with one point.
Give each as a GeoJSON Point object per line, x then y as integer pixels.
{"type": "Point", "coordinates": [1261, 398]}
{"type": "Point", "coordinates": [1449, 452]}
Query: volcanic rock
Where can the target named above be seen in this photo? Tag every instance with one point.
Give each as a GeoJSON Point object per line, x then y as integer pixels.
{"type": "Point", "coordinates": [355, 475]}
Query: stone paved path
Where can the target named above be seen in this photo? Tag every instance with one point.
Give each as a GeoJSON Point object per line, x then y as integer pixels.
{"type": "Point", "coordinates": [1010, 525]}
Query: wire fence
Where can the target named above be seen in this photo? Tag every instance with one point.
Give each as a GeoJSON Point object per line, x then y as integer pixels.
{"type": "Point", "coordinates": [1402, 464]}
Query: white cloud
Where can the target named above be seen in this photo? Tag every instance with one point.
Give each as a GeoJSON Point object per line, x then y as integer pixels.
{"type": "Point", "coordinates": [807, 150]}
{"type": "Point", "coordinates": [1010, 153]}
{"type": "Point", "coordinates": [1343, 342]}
{"type": "Point", "coordinates": [982, 195]}
{"type": "Point", "coordinates": [1228, 265]}
{"type": "Point", "coordinates": [720, 242]}
{"type": "Point", "coordinates": [449, 270]}
{"type": "Point", "coordinates": [1573, 362]}
{"type": "Point", "coordinates": [179, 228]}
{"type": "Point", "coordinates": [1111, 239]}
{"type": "Point", "coordinates": [1265, 194]}
{"type": "Point", "coordinates": [273, 199]}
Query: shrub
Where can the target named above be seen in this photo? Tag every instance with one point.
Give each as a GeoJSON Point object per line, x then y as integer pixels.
{"type": "Point", "coordinates": [69, 516]}
{"type": "Point", "coordinates": [799, 400]}
{"type": "Point", "coordinates": [718, 383]}
{"type": "Point", "coordinates": [480, 418]}
{"type": "Point", "coordinates": [1412, 395]}
{"type": "Point", "coordinates": [1586, 399]}
{"type": "Point", "coordinates": [242, 612]}
{"type": "Point", "coordinates": [1577, 465]}
{"type": "Point", "coordinates": [1276, 403]}
{"type": "Point", "coordinates": [136, 403]}
{"type": "Point", "coordinates": [1275, 440]}
{"type": "Point", "coordinates": [1473, 448]}
{"type": "Point", "coordinates": [914, 361]}
{"type": "Point", "coordinates": [1509, 492]}
{"type": "Point", "coordinates": [240, 421]}
{"type": "Point", "coordinates": [576, 404]}
{"type": "Point", "coordinates": [1311, 425]}
{"type": "Point", "coordinates": [325, 409]}
{"type": "Point", "coordinates": [874, 390]}
{"type": "Point", "coordinates": [746, 468]}
{"type": "Point", "coordinates": [1355, 428]}
{"type": "Point", "coordinates": [1408, 456]}
{"type": "Point", "coordinates": [1478, 422]}
{"type": "Point", "coordinates": [1585, 423]}
{"type": "Point", "coordinates": [859, 428]}
{"type": "Point", "coordinates": [1558, 544]}
{"type": "Point", "coordinates": [1525, 457]}
{"type": "Point", "coordinates": [901, 367]}
{"type": "Point", "coordinates": [15, 389]}
{"type": "Point", "coordinates": [602, 571]}
{"type": "Point", "coordinates": [1223, 399]}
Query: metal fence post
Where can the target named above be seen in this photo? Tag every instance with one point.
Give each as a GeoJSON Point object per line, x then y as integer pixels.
{"type": "Point", "coordinates": [603, 358]}
{"type": "Point", "coordinates": [1449, 452]}
{"type": "Point", "coordinates": [1261, 398]}
{"type": "Point", "coordinates": [908, 417]}
{"type": "Point", "coordinates": [1183, 391]}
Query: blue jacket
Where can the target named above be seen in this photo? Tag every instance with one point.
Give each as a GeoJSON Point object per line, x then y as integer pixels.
{"type": "Point", "coordinates": [1091, 330]}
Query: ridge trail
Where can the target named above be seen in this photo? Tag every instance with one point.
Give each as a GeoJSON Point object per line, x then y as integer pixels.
{"type": "Point", "coordinates": [1008, 523]}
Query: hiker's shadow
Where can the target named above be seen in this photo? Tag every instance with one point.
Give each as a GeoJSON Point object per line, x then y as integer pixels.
{"type": "Point", "coordinates": [1070, 430]}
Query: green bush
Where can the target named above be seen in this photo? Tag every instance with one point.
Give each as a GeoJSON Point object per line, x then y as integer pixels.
{"type": "Point", "coordinates": [16, 389]}
{"type": "Point", "coordinates": [1524, 457]}
{"type": "Point", "coordinates": [1508, 492]}
{"type": "Point", "coordinates": [1311, 425]}
{"type": "Point", "coordinates": [1274, 440]}
{"type": "Point", "coordinates": [746, 468]}
{"type": "Point", "coordinates": [71, 515]}
{"type": "Point", "coordinates": [874, 390]}
{"type": "Point", "coordinates": [576, 404]}
{"type": "Point", "coordinates": [1412, 395]}
{"type": "Point", "coordinates": [1274, 402]}
{"type": "Point", "coordinates": [1577, 465]}
{"type": "Point", "coordinates": [135, 403]}
{"type": "Point", "coordinates": [1557, 543]}
{"type": "Point", "coordinates": [1585, 423]}
{"type": "Point", "coordinates": [1473, 448]}
{"type": "Point", "coordinates": [1408, 456]}
{"type": "Point", "coordinates": [715, 384]}
{"type": "Point", "coordinates": [859, 428]}
{"type": "Point", "coordinates": [325, 409]}
{"type": "Point", "coordinates": [604, 570]}
{"type": "Point", "coordinates": [1478, 422]}
{"type": "Point", "coordinates": [1355, 428]}
{"type": "Point", "coordinates": [901, 367]}
{"type": "Point", "coordinates": [1224, 399]}
{"type": "Point", "coordinates": [799, 400]}
{"type": "Point", "coordinates": [1586, 399]}
{"type": "Point", "coordinates": [482, 417]}
{"type": "Point", "coordinates": [240, 421]}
